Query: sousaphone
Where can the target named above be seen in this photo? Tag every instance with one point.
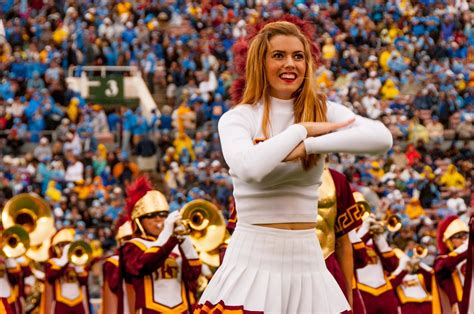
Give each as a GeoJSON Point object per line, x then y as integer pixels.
{"type": "Point", "coordinates": [33, 214]}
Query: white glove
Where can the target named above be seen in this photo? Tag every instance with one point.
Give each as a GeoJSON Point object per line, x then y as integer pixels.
{"type": "Point", "coordinates": [63, 260]}
{"type": "Point", "coordinates": [168, 228]}
{"type": "Point", "coordinates": [462, 248]}
{"type": "Point", "coordinates": [11, 263]}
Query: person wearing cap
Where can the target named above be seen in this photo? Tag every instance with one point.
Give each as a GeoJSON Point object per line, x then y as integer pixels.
{"type": "Point", "coordinates": [10, 277]}
{"type": "Point", "coordinates": [449, 265]}
{"type": "Point", "coordinates": [160, 267]}
{"type": "Point", "coordinates": [66, 284]}
{"type": "Point", "coordinates": [373, 282]}
{"type": "Point", "coordinates": [114, 300]}
{"type": "Point", "coordinates": [43, 151]}
{"type": "Point", "coordinates": [412, 283]}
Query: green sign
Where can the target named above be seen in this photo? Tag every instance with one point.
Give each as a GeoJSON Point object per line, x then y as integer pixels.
{"type": "Point", "coordinates": [109, 91]}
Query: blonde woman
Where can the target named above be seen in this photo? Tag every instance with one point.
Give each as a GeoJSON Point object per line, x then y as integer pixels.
{"type": "Point", "coordinates": [273, 142]}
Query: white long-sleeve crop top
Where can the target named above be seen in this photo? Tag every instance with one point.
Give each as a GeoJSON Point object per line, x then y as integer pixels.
{"type": "Point", "coordinates": [268, 190]}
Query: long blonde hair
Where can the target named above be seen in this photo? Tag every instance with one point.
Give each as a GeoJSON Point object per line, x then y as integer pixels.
{"type": "Point", "coordinates": [309, 105]}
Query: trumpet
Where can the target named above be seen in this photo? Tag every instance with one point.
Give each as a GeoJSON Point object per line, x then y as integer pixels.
{"type": "Point", "coordinates": [204, 223]}
{"type": "Point", "coordinates": [15, 242]}
{"type": "Point", "coordinates": [420, 251]}
{"type": "Point", "coordinates": [79, 253]}
{"type": "Point", "coordinates": [391, 223]}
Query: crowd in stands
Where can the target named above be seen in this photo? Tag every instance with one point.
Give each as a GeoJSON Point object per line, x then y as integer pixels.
{"type": "Point", "coordinates": [408, 63]}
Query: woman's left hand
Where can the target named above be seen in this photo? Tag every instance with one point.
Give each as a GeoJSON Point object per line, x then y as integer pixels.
{"type": "Point", "coordinates": [298, 152]}
{"type": "Point", "coordinates": [320, 128]}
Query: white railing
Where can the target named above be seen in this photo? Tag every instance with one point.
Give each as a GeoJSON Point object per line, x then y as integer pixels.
{"type": "Point", "coordinates": [104, 69]}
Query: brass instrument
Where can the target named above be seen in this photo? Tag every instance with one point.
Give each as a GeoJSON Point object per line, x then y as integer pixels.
{"type": "Point", "coordinates": [79, 253]}
{"type": "Point", "coordinates": [420, 251]}
{"type": "Point", "coordinates": [33, 214]}
{"type": "Point", "coordinates": [14, 242]}
{"type": "Point", "coordinates": [393, 223]}
{"type": "Point", "coordinates": [204, 223]}
{"type": "Point", "coordinates": [39, 253]}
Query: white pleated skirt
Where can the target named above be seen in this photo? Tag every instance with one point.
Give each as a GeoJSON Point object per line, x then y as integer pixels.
{"type": "Point", "coordinates": [273, 271]}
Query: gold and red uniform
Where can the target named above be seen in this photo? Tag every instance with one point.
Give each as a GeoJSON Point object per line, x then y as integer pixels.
{"type": "Point", "coordinates": [114, 298]}
{"type": "Point", "coordinates": [361, 259]}
{"type": "Point", "coordinates": [467, 304]}
{"type": "Point", "coordinates": [10, 275]}
{"type": "Point", "coordinates": [450, 265]}
{"type": "Point", "coordinates": [69, 286]}
{"type": "Point", "coordinates": [66, 284]}
{"type": "Point", "coordinates": [414, 289]}
{"type": "Point", "coordinates": [117, 303]}
{"type": "Point", "coordinates": [161, 272]}
{"type": "Point", "coordinates": [338, 214]}
{"type": "Point", "coordinates": [25, 272]}
{"type": "Point", "coordinates": [373, 283]}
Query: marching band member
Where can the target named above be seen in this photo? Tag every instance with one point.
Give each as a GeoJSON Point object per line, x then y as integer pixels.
{"type": "Point", "coordinates": [66, 289]}
{"type": "Point", "coordinates": [412, 283]}
{"type": "Point", "coordinates": [467, 304]}
{"type": "Point", "coordinates": [374, 285]}
{"type": "Point", "coordinates": [25, 272]}
{"type": "Point", "coordinates": [160, 265]}
{"type": "Point", "coordinates": [450, 265]}
{"type": "Point", "coordinates": [338, 214]}
{"type": "Point", "coordinates": [360, 259]}
{"type": "Point", "coordinates": [10, 275]}
{"type": "Point", "coordinates": [114, 300]}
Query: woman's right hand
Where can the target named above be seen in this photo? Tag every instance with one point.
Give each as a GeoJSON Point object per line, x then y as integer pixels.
{"type": "Point", "coordinates": [320, 128]}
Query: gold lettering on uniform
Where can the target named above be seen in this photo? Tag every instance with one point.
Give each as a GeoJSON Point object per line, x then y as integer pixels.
{"type": "Point", "coordinates": [411, 283]}
{"type": "Point", "coordinates": [327, 212]}
{"type": "Point", "coordinates": [70, 276]}
{"type": "Point", "coordinates": [169, 270]}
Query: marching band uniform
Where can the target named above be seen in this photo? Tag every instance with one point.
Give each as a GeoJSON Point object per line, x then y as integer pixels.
{"type": "Point", "coordinates": [413, 288]}
{"type": "Point", "coordinates": [467, 304]}
{"type": "Point", "coordinates": [374, 285]}
{"type": "Point", "coordinates": [361, 259]}
{"type": "Point", "coordinates": [68, 283]}
{"type": "Point", "coordinates": [160, 270]}
{"type": "Point", "coordinates": [10, 275]}
{"type": "Point", "coordinates": [450, 264]}
{"type": "Point", "coordinates": [114, 298]}
{"type": "Point", "coordinates": [338, 214]}
{"type": "Point", "coordinates": [25, 272]}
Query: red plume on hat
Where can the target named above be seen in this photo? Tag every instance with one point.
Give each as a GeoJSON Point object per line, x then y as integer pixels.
{"type": "Point", "coordinates": [241, 46]}
{"type": "Point", "coordinates": [135, 192]}
{"type": "Point", "coordinates": [443, 225]}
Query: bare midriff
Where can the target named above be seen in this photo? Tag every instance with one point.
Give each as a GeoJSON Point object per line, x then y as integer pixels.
{"type": "Point", "coordinates": [290, 225]}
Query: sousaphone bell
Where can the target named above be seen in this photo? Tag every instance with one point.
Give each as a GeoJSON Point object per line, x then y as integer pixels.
{"type": "Point", "coordinates": [32, 213]}
{"type": "Point", "coordinates": [14, 242]}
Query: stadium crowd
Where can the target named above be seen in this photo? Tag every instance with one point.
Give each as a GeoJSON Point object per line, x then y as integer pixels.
{"type": "Point", "coordinates": [409, 64]}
